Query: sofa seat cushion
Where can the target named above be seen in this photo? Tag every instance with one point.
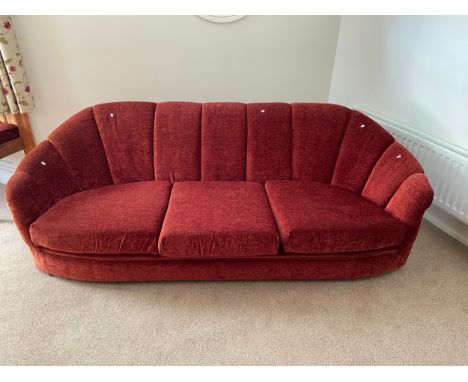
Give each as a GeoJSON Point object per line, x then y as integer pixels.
{"type": "Point", "coordinates": [320, 218]}
{"type": "Point", "coordinates": [116, 219]}
{"type": "Point", "coordinates": [218, 219]}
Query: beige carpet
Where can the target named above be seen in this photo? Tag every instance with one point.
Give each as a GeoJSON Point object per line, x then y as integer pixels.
{"type": "Point", "coordinates": [417, 315]}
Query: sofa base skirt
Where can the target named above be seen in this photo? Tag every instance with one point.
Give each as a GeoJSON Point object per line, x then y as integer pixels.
{"type": "Point", "coordinates": [280, 267]}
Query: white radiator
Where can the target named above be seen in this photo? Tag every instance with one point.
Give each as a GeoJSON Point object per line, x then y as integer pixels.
{"type": "Point", "coordinates": [445, 165]}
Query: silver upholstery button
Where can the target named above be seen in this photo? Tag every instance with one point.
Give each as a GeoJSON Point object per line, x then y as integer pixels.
{"type": "Point", "coordinates": [398, 156]}
{"type": "Point", "coordinates": [262, 111]}
{"type": "Point", "coordinates": [363, 125]}
{"type": "Point", "coordinates": [43, 163]}
{"type": "Point", "coordinates": [111, 115]}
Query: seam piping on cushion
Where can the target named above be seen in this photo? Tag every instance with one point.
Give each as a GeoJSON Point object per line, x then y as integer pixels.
{"type": "Point", "coordinates": [154, 141]}
{"type": "Point", "coordinates": [171, 186]}
{"type": "Point", "coordinates": [350, 112]}
{"type": "Point", "coordinates": [373, 167]}
{"type": "Point", "coordinates": [200, 142]}
{"type": "Point", "coordinates": [201, 139]}
{"type": "Point", "coordinates": [103, 146]}
{"type": "Point", "coordinates": [291, 141]}
{"type": "Point", "coordinates": [375, 164]}
{"type": "Point", "coordinates": [398, 188]}
{"type": "Point", "coordinates": [72, 176]}
{"type": "Point", "coordinates": [246, 140]}
{"type": "Point", "coordinates": [153, 144]}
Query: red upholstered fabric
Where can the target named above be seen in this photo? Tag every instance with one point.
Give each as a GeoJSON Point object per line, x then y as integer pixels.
{"type": "Point", "coordinates": [86, 228]}
{"type": "Point", "coordinates": [126, 129]}
{"type": "Point", "coordinates": [24, 209]}
{"type": "Point", "coordinates": [408, 205]}
{"type": "Point", "coordinates": [317, 132]}
{"type": "Point", "coordinates": [412, 198]}
{"type": "Point", "coordinates": [363, 144]}
{"type": "Point", "coordinates": [223, 141]}
{"type": "Point", "coordinates": [116, 219]}
{"type": "Point", "coordinates": [218, 219]}
{"type": "Point", "coordinates": [392, 169]}
{"type": "Point", "coordinates": [49, 171]}
{"type": "Point", "coordinates": [38, 183]}
{"type": "Point", "coordinates": [8, 132]}
{"type": "Point", "coordinates": [268, 141]}
{"type": "Point", "coordinates": [319, 218]}
{"type": "Point", "coordinates": [291, 267]}
{"type": "Point", "coordinates": [79, 143]}
{"type": "Point", "coordinates": [177, 141]}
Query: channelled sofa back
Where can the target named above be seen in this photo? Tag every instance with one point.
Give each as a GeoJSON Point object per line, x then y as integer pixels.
{"type": "Point", "coordinates": [124, 142]}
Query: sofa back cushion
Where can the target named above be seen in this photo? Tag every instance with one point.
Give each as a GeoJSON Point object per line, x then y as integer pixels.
{"type": "Point", "coordinates": [45, 179]}
{"type": "Point", "coordinates": [223, 141]}
{"type": "Point", "coordinates": [177, 141]}
{"type": "Point", "coordinates": [126, 130]}
{"type": "Point", "coordinates": [363, 144]}
{"type": "Point", "coordinates": [394, 166]}
{"type": "Point", "coordinates": [78, 142]}
{"type": "Point", "coordinates": [125, 142]}
{"type": "Point", "coordinates": [269, 141]}
{"type": "Point", "coordinates": [317, 133]}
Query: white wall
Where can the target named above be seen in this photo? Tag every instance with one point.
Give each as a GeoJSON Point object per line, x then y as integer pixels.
{"type": "Point", "coordinates": [75, 62]}
{"type": "Point", "coordinates": [411, 69]}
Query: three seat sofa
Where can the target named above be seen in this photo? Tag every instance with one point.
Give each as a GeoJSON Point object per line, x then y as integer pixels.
{"type": "Point", "coordinates": [133, 191]}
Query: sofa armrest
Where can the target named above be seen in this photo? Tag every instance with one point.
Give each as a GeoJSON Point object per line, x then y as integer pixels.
{"type": "Point", "coordinates": [41, 180]}
{"type": "Point", "coordinates": [411, 199]}
{"type": "Point", "coordinates": [397, 183]}
{"type": "Point", "coordinates": [408, 204]}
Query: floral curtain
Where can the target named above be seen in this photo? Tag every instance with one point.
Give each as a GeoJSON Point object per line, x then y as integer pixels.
{"type": "Point", "coordinates": [15, 95]}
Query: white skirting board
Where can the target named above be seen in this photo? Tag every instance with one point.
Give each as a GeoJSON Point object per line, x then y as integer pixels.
{"type": "Point", "coordinates": [447, 223]}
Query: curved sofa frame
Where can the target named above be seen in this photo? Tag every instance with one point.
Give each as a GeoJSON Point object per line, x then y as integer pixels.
{"type": "Point", "coordinates": [317, 142]}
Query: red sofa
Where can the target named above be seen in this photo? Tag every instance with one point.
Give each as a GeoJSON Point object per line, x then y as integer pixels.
{"type": "Point", "coordinates": [133, 191]}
